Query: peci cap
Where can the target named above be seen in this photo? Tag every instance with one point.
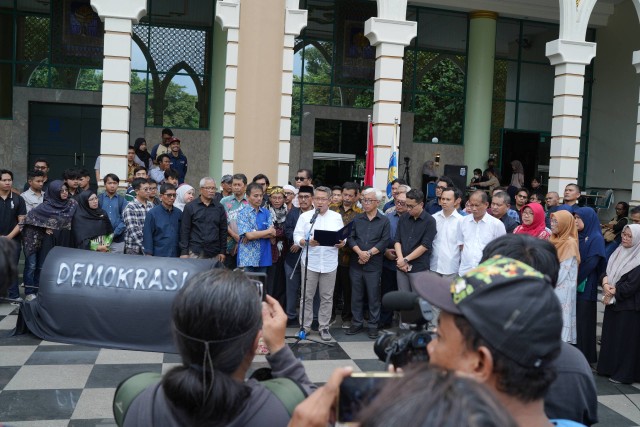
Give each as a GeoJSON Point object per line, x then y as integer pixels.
{"type": "Point", "coordinates": [227, 179]}
{"type": "Point", "coordinates": [510, 304]}
{"type": "Point", "coordinates": [305, 189]}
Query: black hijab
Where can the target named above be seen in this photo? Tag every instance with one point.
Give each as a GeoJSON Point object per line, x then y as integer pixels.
{"type": "Point", "coordinates": [89, 223]}
{"type": "Point", "coordinates": [144, 156]}
{"type": "Point", "coordinates": [53, 212]}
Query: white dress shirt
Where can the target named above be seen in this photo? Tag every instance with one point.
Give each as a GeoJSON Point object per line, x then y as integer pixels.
{"type": "Point", "coordinates": [322, 259]}
{"type": "Point", "coordinates": [445, 258]}
{"type": "Point", "coordinates": [475, 236]}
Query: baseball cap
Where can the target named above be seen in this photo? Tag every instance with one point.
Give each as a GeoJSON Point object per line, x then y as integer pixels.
{"type": "Point", "coordinates": [510, 305]}
{"type": "Point", "coordinates": [227, 179]}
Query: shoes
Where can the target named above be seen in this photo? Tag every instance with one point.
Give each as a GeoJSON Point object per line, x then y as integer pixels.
{"type": "Point", "coordinates": [354, 329]}
{"type": "Point", "coordinates": [30, 297]}
{"type": "Point", "coordinates": [17, 301]}
{"type": "Point", "coordinates": [373, 333]}
{"type": "Point", "coordinates": [293, 323]}
{"type": "Point", "coordinates": [325, 335]}
{"type": "Point", "coordinates": [611, 380]}
{"type": "Point", "coordinates": [315, 325]}
{"type": "Point", "coordinates": [346, 324]}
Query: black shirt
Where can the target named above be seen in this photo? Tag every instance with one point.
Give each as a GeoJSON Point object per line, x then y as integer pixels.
{"type": "Point", "coordinates": [367, 234]}
{"type": "Point", "coordinates": [510, 224]}
{"type": "Point", "coordinates": [413, 232]}
{"type": "Point", "coordinates": [10, 209]}
{"type": "Point", "coordinates": [203, 229]}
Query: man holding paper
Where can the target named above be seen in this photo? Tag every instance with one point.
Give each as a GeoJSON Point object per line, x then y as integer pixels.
{"type": "Point", "coordinates": [369, 238]}
{"type": "Point", "coordinates": [323, 260]}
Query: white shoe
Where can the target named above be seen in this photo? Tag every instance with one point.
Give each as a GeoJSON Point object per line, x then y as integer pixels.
{"type": "Point", "coordinates": [30, 297]}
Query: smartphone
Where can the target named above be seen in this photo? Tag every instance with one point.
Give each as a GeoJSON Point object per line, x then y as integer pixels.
{"type": "Point", "coordinates": [259, 279]}
{"type": "Point", "coordinates": [357, 391]}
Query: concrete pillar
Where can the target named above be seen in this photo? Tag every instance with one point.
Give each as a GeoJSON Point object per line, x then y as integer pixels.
{"type": "Point", "coordinates": [635, 188]}
{"type": "Point", "coordinates": [294, 21]}
{"type": "Point", "coordinates": [389, 36]}
{"type": "Point", "coordinates": [570, 59]}
{"type": "Point", "coordinates": [479, 96]}
{"type": "Point", "coordinates": [228, 16]}
{"type": "Point", "coordinates": [118, 17]}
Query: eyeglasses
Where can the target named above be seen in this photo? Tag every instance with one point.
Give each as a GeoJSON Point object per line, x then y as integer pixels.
{"type": "Point", "coordinates": [442, 187]}
{"type": "Point", "coordinates": [398, 203]}
{"type": "Point", "coordinates": [93, 199]}
{"type": "Point", "coordinates": [64, 190]}
{"type": "Point", "coordinates": [410, 206]}
{"type": "Point", "coordinates": [41, 168]}
{"type": "Point", "coordinates": [527, 213]}
{"type": "Point", "coordinates": [299, 178]}
{"type": "Point", "coordinates": [367, 201]}
{"type": "Point", "coordinates": [303, 197]}
{"type": "Point", "coordinates": [209, 188]}
{"type": "Point", "coordinates": [172, 195]}
{"type": "Point", "coordinates": [320, 199]}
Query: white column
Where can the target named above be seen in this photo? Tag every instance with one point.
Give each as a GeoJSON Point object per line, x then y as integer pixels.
{"type": "Point", "coordinates": [635, 188]}
{"type": "Point", "coordinates": [228, 15]}
{"type": "Point", "coordinates": [294, 21]}
{"type": "Point", "coordinates": [118, 17]}
{"type": "Point", "coordinates": [570, 59]}
{"type": "Point", "coordinates": [389, 36]}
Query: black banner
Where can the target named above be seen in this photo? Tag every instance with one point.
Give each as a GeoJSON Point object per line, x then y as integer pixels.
{"type": "Point", "coordinates": [108, 300]}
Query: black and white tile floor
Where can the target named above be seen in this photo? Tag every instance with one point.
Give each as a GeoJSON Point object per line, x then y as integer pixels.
{"type": "Point", "coordinates": [50, 384]}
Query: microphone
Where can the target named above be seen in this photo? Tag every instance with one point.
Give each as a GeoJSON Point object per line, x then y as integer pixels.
{"type": "Point", "coordinates": [414, 307]}
{"type": "Point", "coordinates": [315, 216]}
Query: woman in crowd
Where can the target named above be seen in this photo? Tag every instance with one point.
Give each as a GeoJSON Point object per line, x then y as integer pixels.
{"type": "Point", "coordinates": [620, 349]}
{"type": "Point", "coordinates": [143, 158]}
{"type": "Point", "coordinates": [517, 178]}
{"type": "Point", "coordinates": [49, 224]}
{"type": "Point", "coordinates": [91, 228]}
{"type": "Point", "coordinates": [592, 265]}
{"type": "Point", "coordinates": [218, 318]}
{"type": "Point", "coordinates": [533, 222]}
{"type": "Point", "coordinates": [565, 238]}
{"type": "Point", "coordinates": [613, 228]}
{"type": "Point", "coordinates": [184, 194]}
{"type": "Point", "coordinates": [276, 284]}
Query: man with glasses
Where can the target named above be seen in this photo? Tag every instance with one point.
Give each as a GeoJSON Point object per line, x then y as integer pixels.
{"type": "Point", "coordinates": [395, 187]}
{"type": "Point", "coordinates": [41, 165]}
{"type": "Point", "coordinates": [323, 260]}
{"type": "Point", "coordinates": [133, 217]}
{"type": "Point", "coordinates": [162, 225]}
{"type": "Point", "coordinates": [414, 240]}
{"type": "Point", "coordinates": [368, 240]}
{"type": "Point", "coordinates": [290, 193]}
{"type": "Point", "coordinates": [304, 177]}
{"type": "Point", "coordinates": [433, 205]}
{"type": "Point", "coordinates": [476, 231]}
{"type": "Point", "coordinates": [225, 187]}
{"type": "Point", "coordinates": [348, 210]}
{"type": "Point", "coordinates": [233, 205]}
{"type": "Point", "coordinates": [305, 197]}
{"type": "Point", "coordinates": [203, 231]}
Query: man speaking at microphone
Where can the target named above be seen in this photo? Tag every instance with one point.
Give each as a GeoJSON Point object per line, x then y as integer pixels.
{"type": "Point", "coordinates": [323, 260]}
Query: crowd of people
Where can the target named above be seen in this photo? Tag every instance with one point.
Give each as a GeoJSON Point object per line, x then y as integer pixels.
{"type": "Point", "coordinates": [407, 243]}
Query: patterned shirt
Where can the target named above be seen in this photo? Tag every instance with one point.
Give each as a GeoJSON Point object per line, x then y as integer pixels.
{"type": "Point", "coordinates": [254, 253]}
{"type": "Point", "coordinates": [133, 216]}
{"type": "Point", "coordinates": [232, 207]}
{"type": "Point", "coordinates": [344, 254]}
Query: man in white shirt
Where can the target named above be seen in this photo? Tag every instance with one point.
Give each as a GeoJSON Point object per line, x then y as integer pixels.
{"type": "Point", "coordinates": [445, 260]}
{"type": "Point", "coordinates": [476, 231]}
{"type": "Point", "coordinates": [323, 260]}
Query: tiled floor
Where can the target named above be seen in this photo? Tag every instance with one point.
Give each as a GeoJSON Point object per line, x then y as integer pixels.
{"type": "Point", "coordinates": [51, 384]}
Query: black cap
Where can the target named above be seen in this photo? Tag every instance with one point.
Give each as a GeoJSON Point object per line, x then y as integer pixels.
{"type": "Point", "coordinates": [305, 189]}
{"type": "Point", "coordinates": [227, 179]}
{"type": "Point", "coordinates": [511, 305]}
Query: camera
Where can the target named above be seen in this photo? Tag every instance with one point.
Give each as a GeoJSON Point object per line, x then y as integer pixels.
{"type": "Point", "coordinates": [403, 347]}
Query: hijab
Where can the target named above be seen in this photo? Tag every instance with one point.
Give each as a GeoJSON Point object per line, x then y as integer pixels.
{"type": "Point", "coordinates": [566, 239]}
{"type": "Point", "coordinates": [54, 212]}
{"type": "Point", "coordinates": [181, 193]}
{"type": "Point", "coordinates": [89, 223]}
{"type": "Point", "coordinates": [517, 167]}
{"type": "Point", "coordinates": [538, 224]}
{"type": "Point", "coordinates": [590, 238]}
{"type": "Point", "coordinates": [623, 260]}
{"type": "Point", "coordinates": [144, 156]}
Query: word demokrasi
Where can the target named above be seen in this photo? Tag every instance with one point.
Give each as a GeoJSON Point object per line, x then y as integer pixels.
{"type": "Point", "coordinates": [88, 274]}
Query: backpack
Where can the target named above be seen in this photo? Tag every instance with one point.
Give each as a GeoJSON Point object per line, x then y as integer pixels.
{"type": "Point", "coordinates": [285, 389]}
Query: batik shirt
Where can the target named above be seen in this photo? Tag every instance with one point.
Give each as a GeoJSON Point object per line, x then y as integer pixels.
{"type": "Point", "coordinates": [254, 253]}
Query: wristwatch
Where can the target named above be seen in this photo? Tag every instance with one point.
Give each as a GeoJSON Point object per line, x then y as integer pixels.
{"type": "Point", "coordinates": [406, 261]}
{"type": "Point", "coordinates": [369, 252]}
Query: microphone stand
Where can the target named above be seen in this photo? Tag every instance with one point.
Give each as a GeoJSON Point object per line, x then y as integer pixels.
{"type": "Point", "coordinates": [302, 335]}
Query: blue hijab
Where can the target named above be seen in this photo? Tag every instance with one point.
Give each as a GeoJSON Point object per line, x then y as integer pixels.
{"type": "Point", "coordinates": [590, 238]}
